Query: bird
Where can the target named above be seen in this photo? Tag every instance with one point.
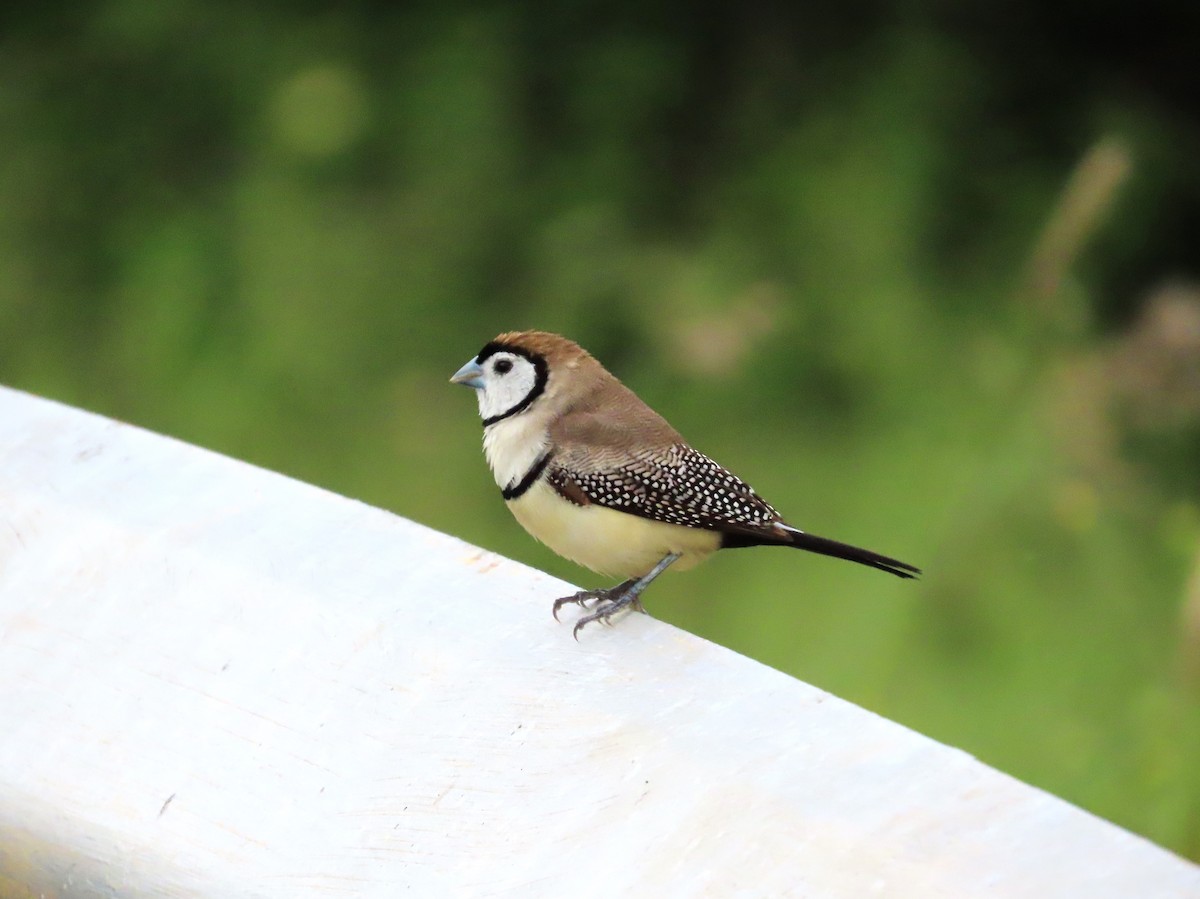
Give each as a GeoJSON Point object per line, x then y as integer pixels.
{"type": "Point", "coordinates": [591, 471]}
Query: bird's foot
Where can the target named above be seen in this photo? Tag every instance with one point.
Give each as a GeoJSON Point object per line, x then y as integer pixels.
{"type": "Point", "coordinates": [583, 597]}
{"type": "Point", "coordinates": [609, 602]}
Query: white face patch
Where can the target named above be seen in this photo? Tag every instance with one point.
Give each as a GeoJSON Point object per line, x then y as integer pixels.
{"type": "Point", "coordinates": [508, 378]}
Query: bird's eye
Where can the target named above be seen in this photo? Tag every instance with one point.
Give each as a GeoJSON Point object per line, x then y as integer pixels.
{"type": "Point", "coordinates": [502, 366]}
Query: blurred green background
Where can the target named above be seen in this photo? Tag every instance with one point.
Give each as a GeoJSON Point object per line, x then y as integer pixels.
{"type": "Point", "coordinates": [925, 273]}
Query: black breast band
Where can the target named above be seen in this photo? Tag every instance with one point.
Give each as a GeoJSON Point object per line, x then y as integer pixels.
{"type": "Point", "coordinates": [531, 476]}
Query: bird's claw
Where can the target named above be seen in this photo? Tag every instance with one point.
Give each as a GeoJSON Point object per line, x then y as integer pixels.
{"type": "Point", "coordinates": [610, 602]}
{"type": "Point", "coordinates": [583, 597]}
{"type": "Point", "coordinates": [602, 614]}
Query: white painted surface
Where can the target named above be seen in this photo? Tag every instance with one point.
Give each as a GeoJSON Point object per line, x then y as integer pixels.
{"type": "Point", "coordinates": [216, 681]}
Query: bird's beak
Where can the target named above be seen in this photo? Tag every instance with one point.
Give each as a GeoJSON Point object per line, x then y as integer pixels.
{"type": "Point", "coordinates": [470, 375]}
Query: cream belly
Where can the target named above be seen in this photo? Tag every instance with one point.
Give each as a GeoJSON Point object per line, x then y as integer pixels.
{"type": "Point", "coordinates": [607, 541]}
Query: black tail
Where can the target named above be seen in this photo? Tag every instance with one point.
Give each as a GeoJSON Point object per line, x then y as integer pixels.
{"type": "Point", "coordinates": [787, 536]}
{"type": "Point", "coordinates": [827, 547]}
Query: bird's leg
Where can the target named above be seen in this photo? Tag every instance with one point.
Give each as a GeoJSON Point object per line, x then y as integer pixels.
{"type": "Point", "coordinates": [616, 598]}
{"type": "Point", "coordinates": [583, 597]}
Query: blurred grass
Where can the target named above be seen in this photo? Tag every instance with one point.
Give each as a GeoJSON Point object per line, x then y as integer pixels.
{"type": "Point", "coordinates": [833, 256]}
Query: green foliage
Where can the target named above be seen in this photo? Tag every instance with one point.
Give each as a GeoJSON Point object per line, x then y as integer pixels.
{"type": "Point", "coordinates": [814, 246]}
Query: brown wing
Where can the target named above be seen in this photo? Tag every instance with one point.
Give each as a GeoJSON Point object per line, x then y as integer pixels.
{"type": "Point", "coordinates": [677, 486]}
{"type": "Point", "coordinates": [613, 450]}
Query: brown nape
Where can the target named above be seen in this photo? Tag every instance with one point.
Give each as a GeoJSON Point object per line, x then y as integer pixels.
{"type": "Point", "coordinates": [551, 346]}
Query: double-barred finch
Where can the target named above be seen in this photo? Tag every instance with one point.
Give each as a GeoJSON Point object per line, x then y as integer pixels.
{"type": "Point", "coordinates": [602, 479]}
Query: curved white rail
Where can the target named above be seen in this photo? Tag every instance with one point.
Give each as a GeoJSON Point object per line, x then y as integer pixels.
{"type": "Point", "coordinates": [217, 681]}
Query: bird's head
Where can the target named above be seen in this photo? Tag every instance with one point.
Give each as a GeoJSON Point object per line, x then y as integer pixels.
{"type": "Point", "coordinates": [511, 372]}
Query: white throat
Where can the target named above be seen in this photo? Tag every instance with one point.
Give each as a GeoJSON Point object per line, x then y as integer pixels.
{"type": "Point", "coordinates": [513, 446]}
